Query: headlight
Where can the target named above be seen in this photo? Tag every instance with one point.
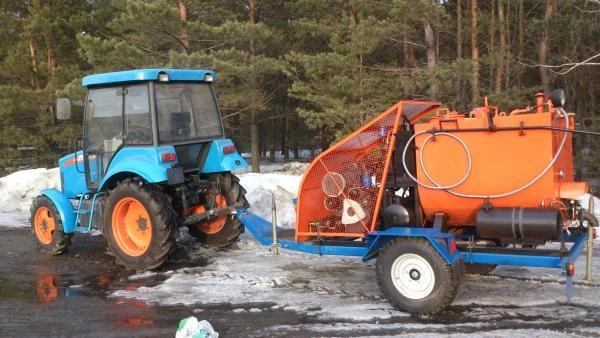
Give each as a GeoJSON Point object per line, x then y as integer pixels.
{"type": "Point", "coordinates": [558, 98]}
{"type": "Point", "coordinates": [209, 77]}
{"type": "Point", "coordinates": [163, 77]}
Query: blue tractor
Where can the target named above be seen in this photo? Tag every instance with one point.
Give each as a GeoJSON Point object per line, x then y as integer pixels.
{"type": "Point", "coordinates": [153, 159]}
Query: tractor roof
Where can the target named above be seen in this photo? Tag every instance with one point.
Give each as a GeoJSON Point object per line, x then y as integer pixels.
{"type": "Point", "coordinates": [146, 75]}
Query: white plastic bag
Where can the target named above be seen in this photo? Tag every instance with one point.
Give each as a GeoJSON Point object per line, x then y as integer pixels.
{"type": "Point", "coordinates": [190, 327]}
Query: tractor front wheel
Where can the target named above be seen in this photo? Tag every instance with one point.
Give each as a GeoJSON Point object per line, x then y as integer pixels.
{"type": "Point", "coordinates": [415, 278]}
{"type": "Point", "coordinates": [223, 230]}
{"type": "Point", "coordinates": [138, 225]}
{"type": "Point", "coordinates": [47, 228]}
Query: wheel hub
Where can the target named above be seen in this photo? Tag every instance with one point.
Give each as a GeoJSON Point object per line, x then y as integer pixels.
{"type": "Point", "coordinates": [414, 274]}
{"type": "Point", "coordinates": [142, 224]}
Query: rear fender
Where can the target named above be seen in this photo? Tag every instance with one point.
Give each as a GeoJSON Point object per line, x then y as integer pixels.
{"type": "Point", "coordinates": [218, 161]}
{"type": "Point", "coordinates": [441, 241]}
{"type": "Point", "coordinates": [139, 161]}
{"type": "Point", "coordinates": [65, 208]}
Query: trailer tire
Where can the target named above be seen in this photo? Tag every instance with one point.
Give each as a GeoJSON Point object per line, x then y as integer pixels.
{"type": "Point", "coordinates": [415, 278]}
{"type": "Point", "coordinates": [139, 225]}
{"type": "Point", "coordinates": [47, 227]}
{"type": "Point", "coordinates": [225, 230]}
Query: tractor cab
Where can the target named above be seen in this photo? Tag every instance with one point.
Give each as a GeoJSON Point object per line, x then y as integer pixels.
{"type": "Point", "coordinates": [149, 108]}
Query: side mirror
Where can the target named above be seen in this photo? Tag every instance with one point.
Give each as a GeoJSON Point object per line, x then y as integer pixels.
{"type": "Point", "coordinates": [63, 108]}
{"type": "Point", "coordinates": [558, 98]}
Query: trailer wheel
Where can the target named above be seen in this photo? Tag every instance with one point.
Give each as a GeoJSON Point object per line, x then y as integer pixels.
{"type": "Point", "coordinates": [47, 227]}
{"type": "Point", "coordinates": [415, 278]}
{"type": "Point", "coordinates": [139, 225]}
{"type": "Point", "coordinates": [479, 269]}
{"type": "Point", "coordinates": [222, 231]}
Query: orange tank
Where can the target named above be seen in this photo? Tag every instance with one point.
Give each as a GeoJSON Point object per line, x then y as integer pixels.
{"type": "Point", "coordinates": [488, 156]}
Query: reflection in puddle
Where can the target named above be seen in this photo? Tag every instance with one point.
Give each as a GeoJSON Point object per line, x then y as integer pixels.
{"type": "Point", "coordinates": [46, 289]}
{"type": "Point", "coordinates": [48, 292]}
{"type": "Point", "coordinates": [136, 322]}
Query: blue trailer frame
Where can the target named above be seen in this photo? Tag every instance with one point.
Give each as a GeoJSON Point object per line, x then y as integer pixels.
{"type": "Point", "coordinates": [443, 242]}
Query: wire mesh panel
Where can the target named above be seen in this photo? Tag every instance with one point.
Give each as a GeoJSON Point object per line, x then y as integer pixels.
{"type": "Point", "coordinates": [339, 193]}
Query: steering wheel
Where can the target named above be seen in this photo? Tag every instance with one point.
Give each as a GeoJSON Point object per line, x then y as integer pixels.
{"type": "Point", "coordinates": [138, 134]}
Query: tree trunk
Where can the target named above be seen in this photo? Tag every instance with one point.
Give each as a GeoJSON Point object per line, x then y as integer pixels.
{"type": "Point", "coordinates": [286, 137]}
{"type": "Point", "coordinates": [34, 68]}
{"type": "Point", "coordinates": [254, 142]}
{"type": "Point", "coordinates": [254, 134]}
{"type": "Point", "coordinates": [459, 50]}
{"type": "Point", "coordinates": [492, 44]}
{"type": "Point", "coordinates": [50, 55]}
{"type": "Point", "coordinates": [521, 51]}
{"type": "Point", "coordinates": [476, 97]}
{"type": "Point", "coordinates": [544, 46]}
{"type": "Point", "coordinates": [431, 53]}
{"type": "Point", "coordinates": [502, 47]}
{"type": "Point", "coordinates": [459, 40]}
{"type": "Point", "coordinates": [184, 38]}
{"type": "Point", "coordinates": [273, 140]}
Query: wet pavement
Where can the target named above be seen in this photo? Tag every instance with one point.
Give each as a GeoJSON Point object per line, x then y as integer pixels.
{"type": "Point", "coordinates": [68, 295]}
{"type": "Point", "coordinates": [43, 296]}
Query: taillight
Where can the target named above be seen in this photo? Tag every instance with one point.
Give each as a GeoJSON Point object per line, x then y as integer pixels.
{"type": "Point", "coordinates": [452, 246]}
{"type": "Point", "coordinates": [570, 269]}
{"type": "Point", "coordinates": [228, 149]}
{"type": "Point", "coordinates": [168, 157]}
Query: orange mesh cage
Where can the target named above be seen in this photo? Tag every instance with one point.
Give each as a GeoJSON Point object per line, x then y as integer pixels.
{"type": "Point", "coordinates": [341, 190]}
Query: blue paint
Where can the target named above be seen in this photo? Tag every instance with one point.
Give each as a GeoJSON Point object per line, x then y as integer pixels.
{"type": "Point", "coordinates": [141, 161]}
{"type": "Point", "coordinates": [439, 240]}
{"type": "Point", "coordinates": [72, 173]}
{"type": "Point", "coordinates": [262, 229]}
{"type": "Point", "coordinates": [64, 206]}
{"type": "Point", "coordinates": [217, 161]}
{"type": "Point", "coordinates": [146, 75]}
{"type": "Point", "coordinates": [544, 261]}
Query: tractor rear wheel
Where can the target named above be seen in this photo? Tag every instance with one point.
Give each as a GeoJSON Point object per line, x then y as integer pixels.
{"type": "Point", "coordinates": [138, 225]}
{"type": "Point", "coordinates": [224, 230]}
{"type": "Point", "coordinates": [415, 278]}
{"type": "Point", "coordinates": [47, 227]}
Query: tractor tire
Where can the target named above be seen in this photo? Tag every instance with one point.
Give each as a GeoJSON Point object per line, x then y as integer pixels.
{"type": "Point", "coordinates": [139, 225]}
{"type": "Point", "coordinates": [47, 227]}
{"type": "Point", "coordinates": [225, 230]}
{"type": "Point", "coordinates": [479, 269]}
{"type": "Point", "coordinates": [415, 278]}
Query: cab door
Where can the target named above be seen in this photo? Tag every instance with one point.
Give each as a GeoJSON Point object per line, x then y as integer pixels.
{"type": "Point", "coordinates": [103, 131]}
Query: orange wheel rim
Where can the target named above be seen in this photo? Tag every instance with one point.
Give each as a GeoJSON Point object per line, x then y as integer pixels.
{"type": "Point", "coordinates": [131, 227]}
{"type": "Point", "coordinates": [44, 225]}
{"type": "Point", "coordinates": [217, 224]}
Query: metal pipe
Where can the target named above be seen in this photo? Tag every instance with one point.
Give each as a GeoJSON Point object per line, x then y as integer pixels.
{"type": "Point", "coordinates": [274, 216]}
{"type": "Point", "coordinates": [590, 242]}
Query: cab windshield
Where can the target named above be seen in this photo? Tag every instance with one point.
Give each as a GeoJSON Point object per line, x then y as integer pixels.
{"type": "Point", "coordinates": [186, 112]}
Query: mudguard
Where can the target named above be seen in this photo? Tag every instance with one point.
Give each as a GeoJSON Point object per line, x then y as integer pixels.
{"type": "Point", "coordinates": [218, 161]}
{"type": "Point", "coordinates": [65, 208]}
{"type": "Point", "coordinates": [143, 162]}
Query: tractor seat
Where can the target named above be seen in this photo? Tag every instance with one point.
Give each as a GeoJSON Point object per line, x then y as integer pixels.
{"type": "Point", "coordinates": [180, 124]}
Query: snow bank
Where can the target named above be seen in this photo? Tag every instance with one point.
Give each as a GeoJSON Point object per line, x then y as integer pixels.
{"type": "Point", "coordinates": [259, 190]}
{"type": "Point", "coordinates": [17, 189]}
